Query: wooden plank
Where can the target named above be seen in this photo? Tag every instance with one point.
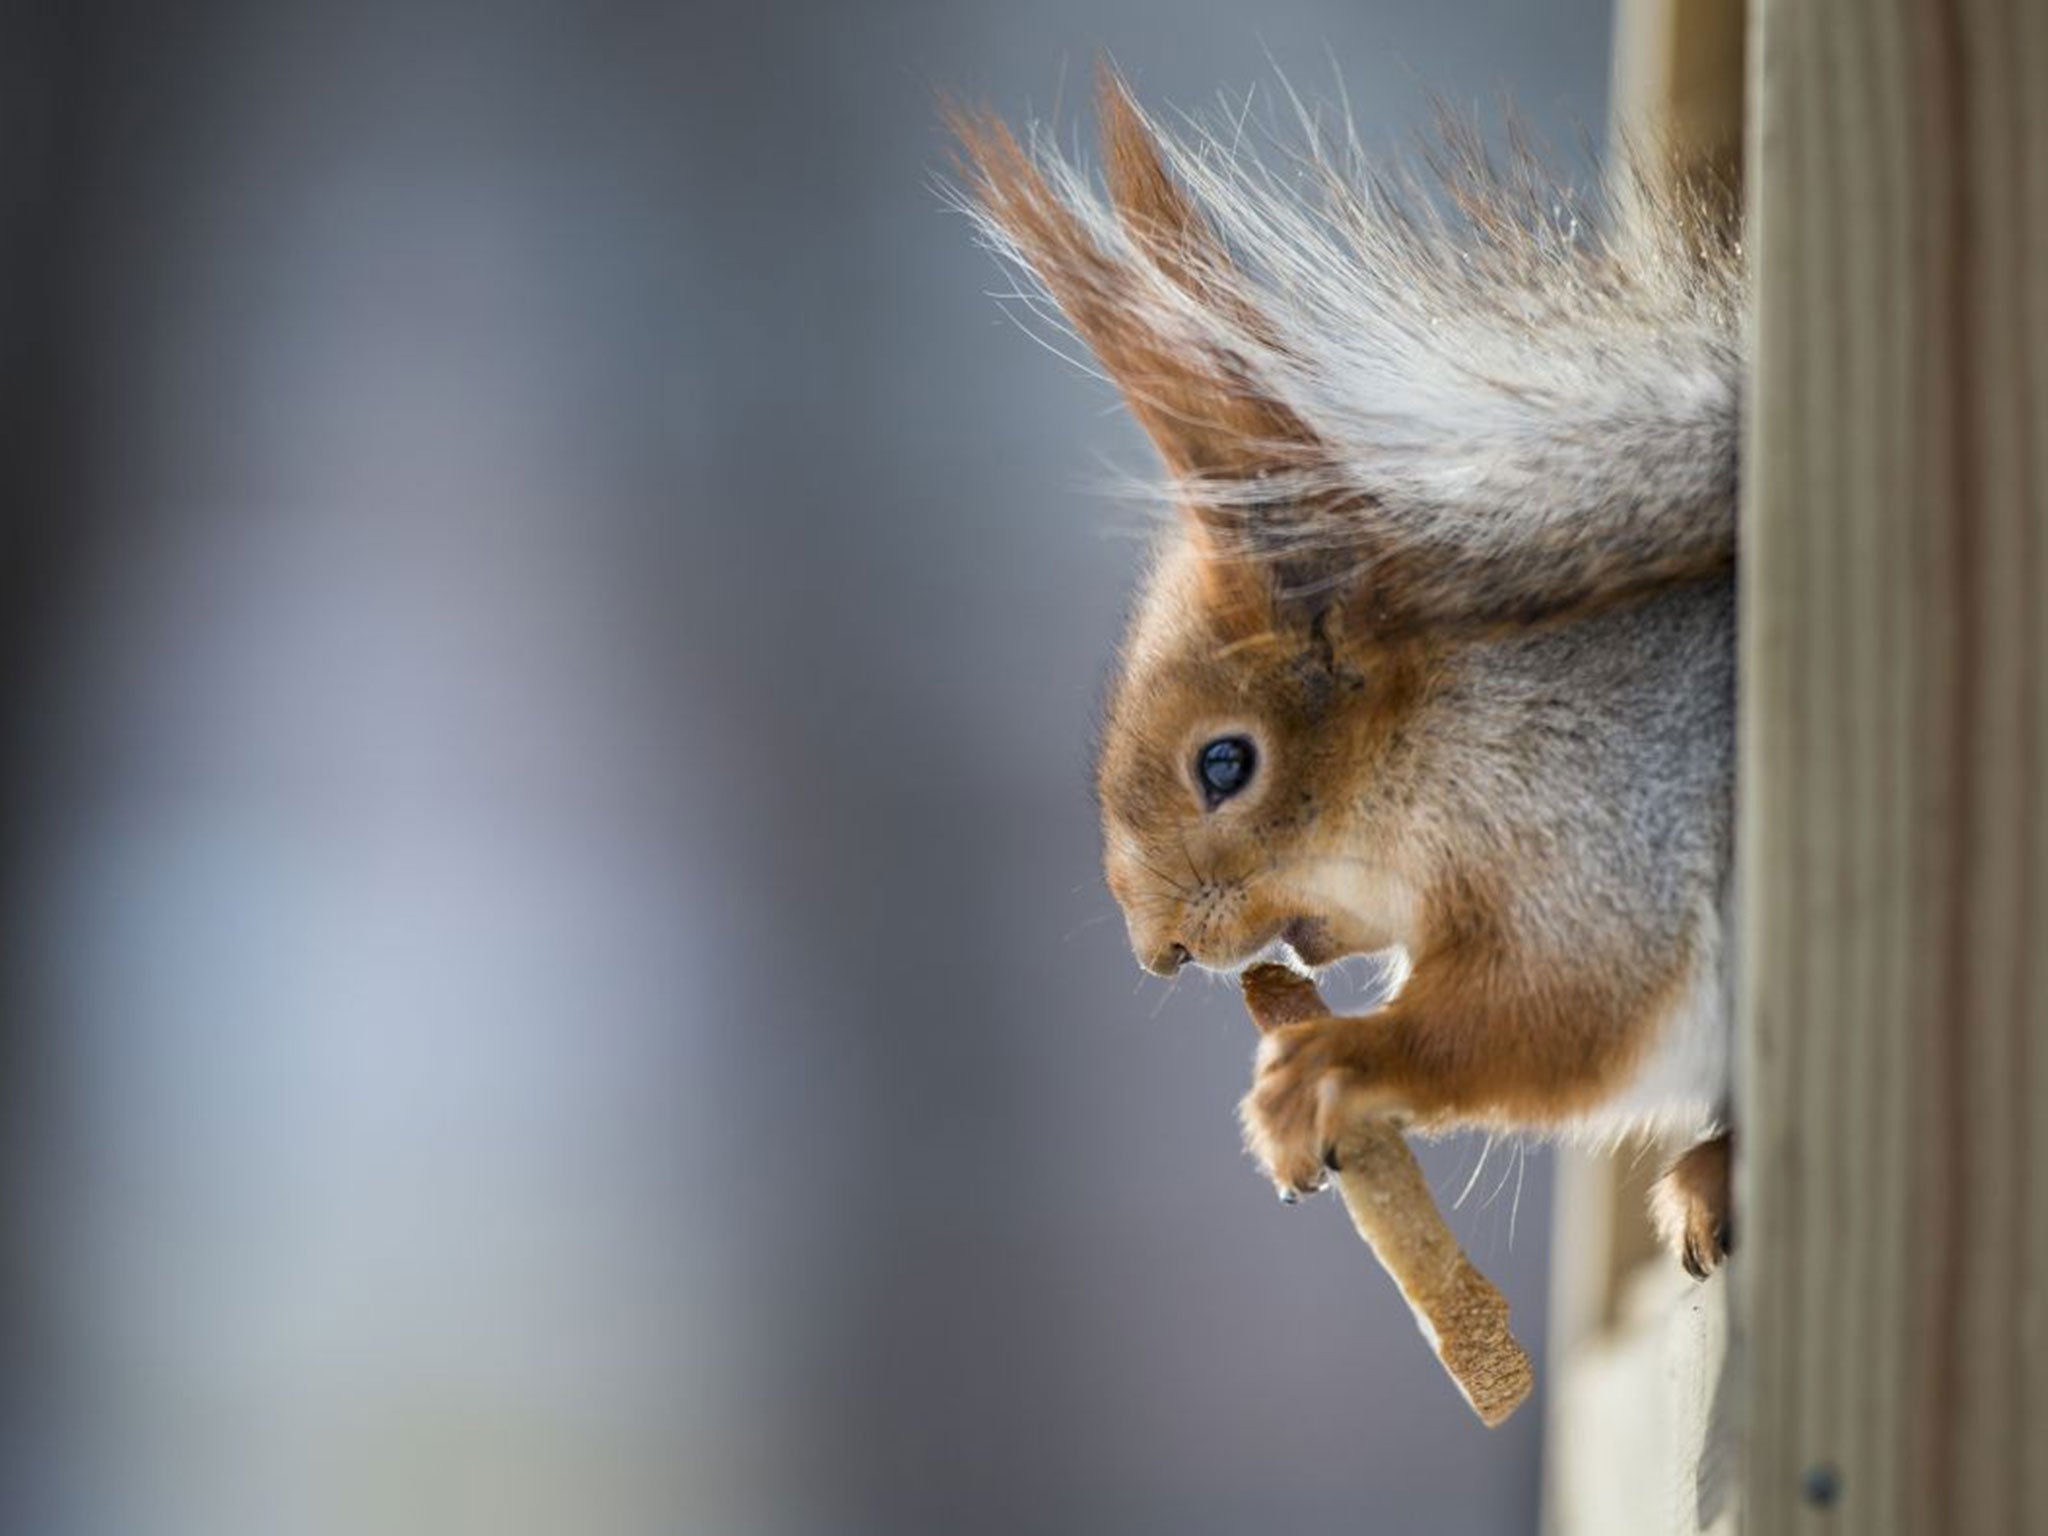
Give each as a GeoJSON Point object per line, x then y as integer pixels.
{"type": "Point", "coordinates": [1677, 85]}
{"type": "Point", "coordinates": [1894, 1277]}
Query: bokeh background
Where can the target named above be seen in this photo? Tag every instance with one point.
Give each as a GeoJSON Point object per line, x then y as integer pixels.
{"type": "Point", "coordinates": [554, 972]}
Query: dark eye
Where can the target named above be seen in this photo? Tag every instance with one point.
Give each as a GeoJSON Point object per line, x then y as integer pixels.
{"type": "Point", "coordinates": [1225, 766]}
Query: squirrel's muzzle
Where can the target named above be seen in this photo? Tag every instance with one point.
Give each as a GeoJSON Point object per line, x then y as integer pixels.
{"type": "Point", "coordinates": [1167, 961]}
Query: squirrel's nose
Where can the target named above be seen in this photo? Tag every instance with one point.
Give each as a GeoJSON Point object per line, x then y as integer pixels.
{"type": "Point", "coordinates": [1168, 961]}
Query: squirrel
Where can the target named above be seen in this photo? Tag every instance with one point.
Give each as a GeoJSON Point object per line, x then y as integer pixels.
{"type": "Point", "coordinates": [1437, 654]}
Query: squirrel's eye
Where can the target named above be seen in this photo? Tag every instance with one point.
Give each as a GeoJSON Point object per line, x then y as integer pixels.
{"type": "Point", "coordinates": [1225, 766]}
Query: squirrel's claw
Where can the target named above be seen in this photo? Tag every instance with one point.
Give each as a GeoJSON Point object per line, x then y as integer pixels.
{"type": "Point", "coordinates": [1691, 1207]}
{"type": "Point", "coordinates": [1310, 1081]}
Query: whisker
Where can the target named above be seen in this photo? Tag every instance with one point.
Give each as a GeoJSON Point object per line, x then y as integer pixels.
{"type": "Point", "coordinates": [1167, 996]}
{"type": "Point", "coordinates": [1172, 881]}
{"type": "Point", "coordinates": [1086, 922]}
{"type": "Point", "coordinates": [1515, 1206]}
{"type": "Point", "coordinates": [1485, 1151]}
{"type": "Point", "coordinates": [1494, 1198]}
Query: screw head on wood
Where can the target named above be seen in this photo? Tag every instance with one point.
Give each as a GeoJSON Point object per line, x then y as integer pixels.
{"type": "Point", "coordinates": [1821, 1486]}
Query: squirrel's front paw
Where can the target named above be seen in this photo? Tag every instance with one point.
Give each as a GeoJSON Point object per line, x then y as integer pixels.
{"type": "Point", "coordinates": [1309, 1081]}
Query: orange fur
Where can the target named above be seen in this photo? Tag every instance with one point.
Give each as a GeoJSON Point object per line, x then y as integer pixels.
{"type": "Point", "coordinates": [1210, 425]}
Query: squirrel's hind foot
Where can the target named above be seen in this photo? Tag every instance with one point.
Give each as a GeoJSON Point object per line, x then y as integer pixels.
{"type": "Point", "coordinates": [1692, 1206]}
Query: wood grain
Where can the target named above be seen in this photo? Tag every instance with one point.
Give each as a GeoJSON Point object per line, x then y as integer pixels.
{"type": "Point", "coordinates": [1894, 1277]}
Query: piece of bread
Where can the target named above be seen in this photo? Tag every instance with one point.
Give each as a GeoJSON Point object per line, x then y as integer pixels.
{"type": "Point", "coordinates": [1460, 1312]}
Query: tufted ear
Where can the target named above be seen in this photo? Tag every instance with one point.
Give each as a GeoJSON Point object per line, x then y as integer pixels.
{"type": "Point", "coordinates": [1408, 422]}
{"type": "Point", "coordinates": [1155, 297]}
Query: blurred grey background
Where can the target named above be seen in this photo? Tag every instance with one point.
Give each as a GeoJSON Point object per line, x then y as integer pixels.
{"type": "Point", "coordinates": [555, 974]}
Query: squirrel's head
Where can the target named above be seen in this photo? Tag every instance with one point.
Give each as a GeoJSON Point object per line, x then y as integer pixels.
{"type": "Point", "coordinates": [1246, 747]}
{"type": "Point", "coordinates": [1244, 733]}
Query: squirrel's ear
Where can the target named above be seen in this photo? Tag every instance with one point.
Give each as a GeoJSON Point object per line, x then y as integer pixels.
{"type": "Point", "coordinates": [1155, 297]}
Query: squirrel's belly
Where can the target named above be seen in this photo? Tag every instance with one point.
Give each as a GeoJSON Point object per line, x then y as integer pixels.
{"type": "Point", "coordinates": [1683, 1084]}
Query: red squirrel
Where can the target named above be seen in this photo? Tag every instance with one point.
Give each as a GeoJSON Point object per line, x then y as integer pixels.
{"type": "Point", "coordinates": [1437, 654]}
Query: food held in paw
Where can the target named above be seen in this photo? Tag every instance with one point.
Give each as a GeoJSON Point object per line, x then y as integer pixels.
{"type": "Point", "coordinates": [1460, 1312]}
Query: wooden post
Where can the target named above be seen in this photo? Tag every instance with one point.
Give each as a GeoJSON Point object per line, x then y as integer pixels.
{"type": "Point", "coordinates": [1677, 85]}
{"type": "Point", "coordinates": [1892, 1273]}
